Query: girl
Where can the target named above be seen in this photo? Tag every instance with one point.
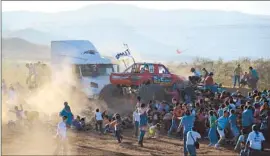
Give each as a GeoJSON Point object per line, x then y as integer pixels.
{"type": "Point", "coordinates": [212, 134]}
{"type": "Point", "coordinates": [143, 122]}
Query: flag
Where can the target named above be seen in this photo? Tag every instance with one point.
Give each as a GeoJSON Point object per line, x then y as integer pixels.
{"type": "Point", "coordinates": [178, 51]}
{"type": "Point", "coordinates": [123, 54]}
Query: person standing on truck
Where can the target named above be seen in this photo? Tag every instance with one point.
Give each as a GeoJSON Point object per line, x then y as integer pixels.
{"type": "Point", "coordinates": [195, 78]}
{"type": "Point", "coordinates": [205, 73]}
{"type": "Point", "coordinates": [237, 74]}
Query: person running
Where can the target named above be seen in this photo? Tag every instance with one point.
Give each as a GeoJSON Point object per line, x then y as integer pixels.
{"type": "Point", "coordinates": [237, 74]}
{"type": "Point", "coordinates": [192, 137]}
{"type": "Point", "coordinates": [233, 126]}
{"type": "Point", "coordinates": [66, 111]}
{"type": "Point", "coordinates": [143, 109]}
{"type": "Point", "coordinates": [255, 141]}
{"type": "Point", "coordinates": [99, 121]}
{"type": "Point", "coordinates": [247, 119]}
{"type": "Point", "coordinates": [222, 123]}
{"type": "Point", "coordinates": [177, 113]}
{"type": "Point", "coordinates": [117, 128]}
{"type": "Point", "coordinates": [212, 134]}
{"type": "Point", "coordinates": [19, 114]}
{"type": "Point", "coordinates": [187, 122]}
{"type": "Point", "coordinates": [241, 143]}
{"type": "Point", "coordinates": [136, 120]}
{"type": "Point", "coordinates": [61, 136]}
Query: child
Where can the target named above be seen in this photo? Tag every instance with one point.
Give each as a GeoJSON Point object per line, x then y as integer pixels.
{"type": "Point", "coordinates": [143, 122]}
{"type": "Point", "coordinates": [154, 131]}
{"type": "Point", "coordinates": [241, 143]}
{"type": "Point", "coordinates": [117, 128]}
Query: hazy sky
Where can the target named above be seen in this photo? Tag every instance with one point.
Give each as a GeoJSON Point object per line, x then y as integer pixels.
{"type": "Point", "coordinates": [251, 7]}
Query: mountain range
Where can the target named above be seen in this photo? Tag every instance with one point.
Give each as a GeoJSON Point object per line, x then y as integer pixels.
{"type": "Point", "coordinates": [151, 34]}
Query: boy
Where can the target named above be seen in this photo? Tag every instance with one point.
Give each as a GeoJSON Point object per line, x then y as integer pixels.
{"type": "Point", "coordinates": [61, 136]}
{"type": "Point", "coordinates": [154, 131]}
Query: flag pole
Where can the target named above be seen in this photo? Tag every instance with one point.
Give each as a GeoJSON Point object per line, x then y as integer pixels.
{"type": "Point", "coordinates": [129, 51]}
{"type": "Point", "coordinates": [124, 63]}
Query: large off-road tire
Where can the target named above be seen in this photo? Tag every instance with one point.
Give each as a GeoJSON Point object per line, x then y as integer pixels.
{"type": "Point", "coordinates": [109, 93]}
{"type": "Point", "coordinates": [151, 92]}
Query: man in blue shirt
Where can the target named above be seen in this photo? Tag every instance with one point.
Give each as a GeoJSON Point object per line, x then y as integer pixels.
{"type": "Point", "coordinates": [247, 119]}
{"type": "Point", "coordinates": [187, 123]}
{"type": "Point", "coordinates": [222, 123]}
{"type": "Point", "coordinates": [254, 77]}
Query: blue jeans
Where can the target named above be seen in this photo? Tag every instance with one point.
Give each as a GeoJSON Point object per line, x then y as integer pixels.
{"type": "Point", "coordinates": [185, 147]}
{"type": "Point", "coordinates": [136, 128]}
{"type": "Point", "coordinates": [141, 136]}
{"type": "Point", "coordinates": [118, 135]}
{"type": "Point", "coordinates": [236, 79]}
{"type": "Point", "coordinates": [191, 150]}
{"type": "Point", "coordinates": [212, 134]}
{"type": "Point", "coordinates": [173, 126]}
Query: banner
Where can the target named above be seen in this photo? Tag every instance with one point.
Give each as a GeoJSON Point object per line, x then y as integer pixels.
{"type": "Point", "coordinates": [126, 53]}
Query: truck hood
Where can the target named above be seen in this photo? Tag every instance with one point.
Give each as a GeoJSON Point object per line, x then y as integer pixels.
{"type": "Point", "coordinates": [101, 81]}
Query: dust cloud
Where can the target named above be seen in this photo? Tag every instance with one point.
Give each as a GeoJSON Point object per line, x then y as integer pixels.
{"type": "Point", "coordinates": [48, 100]}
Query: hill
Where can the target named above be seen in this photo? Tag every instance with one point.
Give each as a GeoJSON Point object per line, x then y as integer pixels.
{"type": "Point", "coordinates": [16, 48]}
{"type": "Point", "coordinates": [149, 33]}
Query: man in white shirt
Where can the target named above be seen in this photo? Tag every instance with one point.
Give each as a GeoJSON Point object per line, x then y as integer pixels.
{"type": "Point", "coordinates": [99, 121]}
{"type": "Point", "coordinates": [61, 136]}
{"type": "Point", "coordinates": [255, 141]}
{"type": "Point", "coordinates": [136, 120]}
{"type": "Point", "coordinates": [192, 137]}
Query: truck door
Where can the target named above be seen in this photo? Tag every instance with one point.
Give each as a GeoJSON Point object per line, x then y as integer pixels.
{"type": "Point", "coordinates": [163, 77]}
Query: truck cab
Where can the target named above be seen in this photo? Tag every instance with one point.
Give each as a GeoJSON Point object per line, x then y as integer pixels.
{"type": "Point", "coordinates": [79, 64]}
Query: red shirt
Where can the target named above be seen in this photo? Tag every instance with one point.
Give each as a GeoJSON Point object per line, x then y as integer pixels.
{"type": "Point", "coordinates": [209, 80]}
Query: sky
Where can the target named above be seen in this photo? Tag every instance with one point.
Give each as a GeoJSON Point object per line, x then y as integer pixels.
{"type": "Point", "coordinates": [250, 7]}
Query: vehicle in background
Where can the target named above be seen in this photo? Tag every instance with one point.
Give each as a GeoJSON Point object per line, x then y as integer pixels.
{"type": "Point", "coordinates": [79, 64]}
{"type": "Point", "coordinates": [148, 80]}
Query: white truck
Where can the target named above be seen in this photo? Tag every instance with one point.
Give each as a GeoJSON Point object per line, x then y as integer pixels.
{"type": "Point", "coordinates": [90, 71]}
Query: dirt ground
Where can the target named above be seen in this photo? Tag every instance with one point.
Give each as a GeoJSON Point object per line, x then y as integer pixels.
{"type": "Point", "coordinates": [39, 141]}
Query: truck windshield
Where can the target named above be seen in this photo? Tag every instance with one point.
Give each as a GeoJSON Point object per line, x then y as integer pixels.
{"type": "Point", "coordinates": [97, 69]}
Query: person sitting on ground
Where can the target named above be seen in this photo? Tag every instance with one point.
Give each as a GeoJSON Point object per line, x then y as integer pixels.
{"type": "Point", "coordinates": [76, 124]}
{"type": "Point", "coordinates": [154, 131]}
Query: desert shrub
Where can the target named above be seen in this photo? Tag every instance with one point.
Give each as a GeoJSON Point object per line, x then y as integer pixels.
{"type": "Point", "coordinates": [223, 70]}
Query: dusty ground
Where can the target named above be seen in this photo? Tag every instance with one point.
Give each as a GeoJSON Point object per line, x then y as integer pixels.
{"type": "Point", "coordinates": [38, 141]}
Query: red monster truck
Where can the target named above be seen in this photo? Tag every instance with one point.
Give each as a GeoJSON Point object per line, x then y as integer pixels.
{"type": "Point", "coordinates": [146, 79]}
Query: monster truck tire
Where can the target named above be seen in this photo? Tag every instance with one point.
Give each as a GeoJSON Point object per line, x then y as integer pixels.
{"type": "Point", "coordinates": [150, 92]}
{"type": "Point", "coordinates": [109, 92]}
